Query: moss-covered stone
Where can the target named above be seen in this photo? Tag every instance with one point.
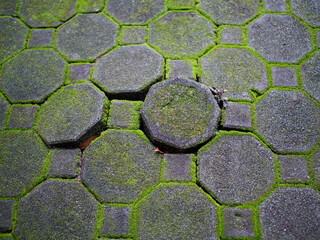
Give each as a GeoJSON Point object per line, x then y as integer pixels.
{"type": "Point", "coordinates": [79, 72]}
{"type": "Point", "coordinates": [116, 220]}
{"type": "Point", "coordinates": [231, 35]}
{"type": "Point", "coordinates": [22, 116]}
{"type": "Point", "coordinates": [4, 106]}
{"type": "Point", "coordinates": [8, 7]}
{"type": "Point", "coordinates": [275, 5]}
{"type": "Point", "coordinates": [6, 207]}
{"type": "Point", "coordinates": [180, 68]}
{"type": "Point", "coordinates": [90, 5]}
{"type": "Point", "coordinates": [136, 34]}
{"type": "Point", "coordinates": [177, 167]}
{"type": "Point", "coordinates": [180, 4]}
{"type": "Point", "coordinates": [308, 10]}
{"type": "Point", "coordinates": [41, 38]}
{"type": "Point", "coordinates": [238, 222]}
{"type": "Point", "coordinates": [315, 161]}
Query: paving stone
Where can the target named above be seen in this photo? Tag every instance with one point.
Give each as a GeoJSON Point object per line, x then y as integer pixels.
{"type": "Point", "coordinates": [238, 116]}
{"type": "Point", "coordinates": [177, 167]}
{"type": "Point", "coordinates": [234, 69]}
{"type": "Point", "coordinates": [136, 34]}
{"type": "Point", "coordinates": [80, 72]}
{"type": "Point", "coordinates": [89, 6]}
{"type": "Point", "coordinates": [57, 210]}
{"type": "Point", "coordinates": [275, 5]}
{"type": "Point", "coordinates": [6, 207]}
{"type": "Point", "coordinates": [180, 68]}
{"type": "Point", "coordinates": [135, 11]}
{"type": "Point", "coordinates": [41, 38]}
{"type": "Point", "coordinates": [59, 123]}
{"type": "Point", "coordinates": [238, 222]}
{"type": "Point", "coordinates": [232, 35]}
{"type": "Point", "coordinates": [8, 7]}
{"type": "Point", "coordinates": [181, 34]}
{"type": "Point", "coordinates": [291, 213]}
{"type": "Point", "coordinates": [278, 38]}
{"type": "Point", "coordinates": [310, 74]}
{"type": "Point", "coordinates": [308, 10]}
{"type": "Point", "coordinates": [120, 166]}
{"type": "Point", "coordinates": [236, 168]}
{"type": "Point", "coordinates": [116, 220]}
{"type": "Point", "coordinates": [294, 169]}
{"type": "Point", "coordinates": [315, 159]}
{"type": "Point", "coordinates": [95, 33]}
{"type": "Point", "coordinates": [22, 156]}
{"type": "Point", "coordinates": [38, 13]}
{"type": "Point", "coordinates": [32, 75]}
{"type": "Point", "coordinates": [231, 11]}
{"type": "Point", "coordinates": [180, 4]}
{"type": "Point", "coordinates": [318, 36]}
{"type": "Point", "coordinates": [284, 76]}
{"type": "Point", "coordinates": [180, 113]}
{"type": "Point", "coordinates": [4, 106]}
{"type": "Point", "coordinates": [22, 116]}
{"type": "Point", "coordinates": [288, 120]}
{"type": "Point", "coordinates": [177, 212]}
{"type": "Point", "coordinates": [13, 34]}
{"type": "Point", "coordinates": [129, 70]}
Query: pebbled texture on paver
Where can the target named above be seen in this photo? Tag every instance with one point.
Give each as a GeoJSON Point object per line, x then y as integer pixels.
{"type": "Point", "coordinates": [288, 120]}
{"type": "Point", "coordinates": [136, 34]}
{"type": "Point", "coordinates": [237, 116]}
{"type": "Point", "coordinates": [8, 7]}
{"type": "Point", "coordinates": [22, 157]}
{"type": "Point", "coordinates": [294, 168]}
{"type": "Point", "coordinates": [180, 68]}
{"type": "Point", "coordinates": [86, 36]}
{"type": "Point", "coordinates": [56, 210]}
{"type": "Point", "coordinates": [315, 160]}
{"type": "Point", "coordinates": [41, 38]}
{"type": "Point", "coordinates": [177, 167]}
{"type": "Point", "coordinates": [238, 222]}
{"type": "Point", "coordinates": [231, 35]}
{"type": "Point", "coordinates": [116, 220]}
{"type": "Point", "coordinates": [6, 207]}
{"type": "Point", "coordinates": [236, 168]}
{"type": "Point", "coordinates": [59, 122]}
{"type": "Point", "coordinates": [291, 213]}
{"type": "Point", "coordinates": [278, 38]}
{"type": "Point", "coordinates": [79, 72]}
{"type": "Point", "coordinates": [22, 116]}
{"type": "Point", "coordinates": [236, 70]}
{"type": "Point", "coordinates": [4, 106]}
{"type": "Point", "coordinates": [308, 10]}
{"type": "Point", "coordinates": [284, 76]}
{"type": "Point", "coordinates": [181, 34]}
{"type": "Point", "coordinates": [129, 70]}
{"type": "Point", "coordinates": [32, 75]}
{"type": "Point", "coordinates": [89, 6]}
{"type": "Point", "coordinates": [180, 113]}
{"type": "Point", "coordinates": [120, 166]}
{"type": "Point", "coordinates": [275, 5]}
{"type": "Point", "coordinates": [180, 4]}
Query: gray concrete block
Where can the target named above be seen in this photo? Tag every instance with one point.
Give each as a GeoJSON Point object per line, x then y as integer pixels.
{"type": "Point", "coordinates": [22, 116]}
{"type": "Point", "coordinates": [238, 222]}
{"type": "Point", "coordinates": [177, 167]}
{"type": "Point", "coordinates": [41, 38]}
{"type": "Point", "coordinates": [284, 76]}
{"type": "Point", "coordinates": [116, 220]}
{"type": "Point", "coordinates": [294, 168]}
{"type": "Point", "coordinates": [238, 116]}
{"type": "Point", "coordinates": [6, 208]}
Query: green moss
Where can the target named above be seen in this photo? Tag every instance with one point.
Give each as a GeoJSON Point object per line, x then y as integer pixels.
{"type": "Point", "coordinates": [180, 4]}
{"type": "Point", "coordinates": [90, 5]}
{"type": "Point", "coordinates": [132, 34]}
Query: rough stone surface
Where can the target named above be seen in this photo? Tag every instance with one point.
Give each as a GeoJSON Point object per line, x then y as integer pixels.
{"type": "Point", "coordinates": [22, 116]}
{"type": "Point", "coordinates": [129, 70]}
{"type": "Point", "coordinates": [238, 116]}
{"type": "Point", "coordinates": [308, 10]}
{"type": "Point", "coordinates": [180, 113]}
{"type": "Point", "coordinates": [8, 7]}
{"type": "Point", "coordinates": [41, 38]}
{"type": "Point", "coordinates": [180, 68]}
{"type": "Point", "coordinates": [116, 220]}
{"type": "Point", "coordinates": [59, 122]}
{"type": "Point", "coordinates": [32, 75]}
{"type": "Point", "coordinates": [294, 168]}
{"type": "Point", "coordinates": [315, 159]}
{"type": "Point", "coordinates": [291, 213]}
{"type": "Point", "coordinates": [232, 35]}
{"type": "Point", "coordinates": [180, 4]}
{"type": "Point", "coordinates": [89, 6]}
{"type": "Point", "coordinates": [6, 207]}
{"type": "Point", "coordinates": [288, 120]}
{"type": "Point", "coordinates": [278, 38]}
{"type": "Point", "coordinates": [4, 106]}
{"type": "Point", "coordinates": [275, 5]}
{"type": "Point", "coordinates": [236, 70]}
{"type": "Point", "coordinates": [95, 32]}
{"type": "Point", "coordinates": [22, 157]}
{"type": "Point", "coordinates": [120, 166]}
{"type": "Point", "coordinates": [238, 222]}
{"type": "Point", "coordinates": [284, 76]}
{"type": "Point", "coordinates": [177, 167]}
{"type": "Point", "coordinates": [135, 34]}
{"type": "Point", "coordinates": [236, 168]}
{"type": "Point", "coordinates": [318, 36]}
{"type": "Point", "coordinates": [80, 72]}
{"type": "Point", "coordinates": [177, 212]}
{"type": "Point", "coordinates": [181, 34]}
{"type": "Point", "coordinates": [56, 210]}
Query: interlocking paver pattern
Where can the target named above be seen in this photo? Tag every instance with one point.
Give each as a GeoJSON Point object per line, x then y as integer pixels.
{"type": "Point", "coordinates": [22, 116]}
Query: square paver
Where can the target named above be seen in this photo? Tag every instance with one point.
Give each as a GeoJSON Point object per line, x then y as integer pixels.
{"type": "Point", "coordinates": [41, 38]}
{"type": "Point", "coordinates": [6, 207]}
{"type": "Point", "coordinates": [238, 222]}
{"type": "Point", "coordinates": [231, 35]}
{"type": "Point", "coordinates": [238, 116]}
{"type": "Point", "coordinates": [116, 220]}
{"type": "Point", "coordinates": [180, 4]}
{"type": "Point", "coordinates": [284, 76]}
{"type": "Point", "coordinates": [177, 167]}
{"type": "Point", "coordinates": [133, 34]}
{"type": "Point", "coordinates": [294, 168]}
{"type": "Point", "coordinates": [22, 116]}
{"type": "Point", "coordinates": [90, 6]}
{"type": "Point", "coordinates": [275, 5]}
{"type": "Point", "coordinates": [79, 72]}
{"type": "Point", "coordinates": [8, 7]}
{"type": "Point", "coordinates": [180, 68]}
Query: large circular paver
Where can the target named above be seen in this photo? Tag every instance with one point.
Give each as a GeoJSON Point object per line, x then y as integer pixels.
{"type": "Point", "coordinates": [180, 113]}
{"type": "Point", "coordinates": [308, 10]}
{"type": "Point", "coordinates": [22, 158]}
{"type": "Point", "coordinates": [236, 168]}
{"type": "Point", "coordinates": [72, 114]}
{"type": "Point", "coordinates": [177, 212]}
{"type": "Point", "coordinates": [120, 166]}
{"type": "Point", "coordinates": [180, 35]}
{"type": "Point", "coordinates": [278, 38]}
{"type": "Point", "coordinates": [86, 36]}
{"type": "Point", "coordinates": [4, 106]}
{"type": "Point", "coordinates": [288, 120]}
{"type": "Point", "coordinates": [57, 210]}
{"type": "Point", "coordinates": [236, 70]}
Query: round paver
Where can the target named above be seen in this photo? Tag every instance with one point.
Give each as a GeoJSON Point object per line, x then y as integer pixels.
{"type": "Point", "coordinates": [120, 166]}
{"type": "Point", "coordinates": [32, 75]}
{"type": "Point", "coordinates": [291, 213]}
{"type": "Point", "coordinates": [57, 210]}
{"type": "Point", "coordinates": [22, 158]}
{"type": "Point", "coordinates": [180, 113]}
{"type": "Point", "coordinates": [234, 69]}
{"type": "Point", "coordinates": [181, 35]}
{"type": "Point", "coordinates": [72, 114]}
{"type": "Point", "coordinates": [129, 70]}
{"type": "Point", "coordinates": [278, 38]}
{"type": "Point", "coordinates": [308, 10]}
{"type": "Point", "coordinates": [288, 120]}
{"type": "Point", "coordinates": [177, 212]}
{"type": "Point", "coordinates": [13, 35]}
{"type": "Point", "coordinates": [4, 106]}
{"type": "Point", "coordinates": [315, 159]}
{"type": "Point", "coordinates": [236, 168]}
{"type": "Point", "coordinates": [231, 11]}
{"type": "Point", "coordinates": [86, 36]}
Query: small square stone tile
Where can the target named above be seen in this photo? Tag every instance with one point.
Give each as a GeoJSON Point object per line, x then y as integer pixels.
{"type": "Point", "coordinates": [294, 168]}
{"type": "Point", "coordinates": [238, 116]}
{"type": "Point", "coordinates": [116, 220]}
{"type": "Point", "coordinates": [79, 71]}
{"type": "Point", "coordinates": [133, 34]}
{"type": "Point", "coordinates": [6, 207]}
{"type": "Point", "coordinates": [41, 38]}
{"type": "Point", "coordinates": [232, 35]}
{"type": "Point", "coordinates": [238, 222]}
{"type": "Point", "coordinates": [180, 4]}
{"type": "Point", "coordinates": [275, 5]}
{"type": "Point", "coordinates": [90, 6]}
{"type": "Point", "coordinates": [177, 167]}
{"type": "Point", "coordinates": [318, 36]}
{"type": "Point", "coordinates": [8, 7]}
{"type": "Point", "coordinates": [284, 76]}
{"type": "Point", "coordinates": [180, 68]}
{"type": "Point", "coordinates": [22, 116]}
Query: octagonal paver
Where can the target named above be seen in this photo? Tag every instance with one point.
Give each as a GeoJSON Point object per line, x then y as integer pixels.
{"type": "Point", "coordinates": [180, 113]}
{"type": "Point", "coordinates": [231, 11]}
{"type": "Point", "coordinates": [181, 34]}
{"type": "Point", "coordinates": [57, 210]}
{"type": "Point", "coordinates": [177, 212]}
{"type": "Point", "coordinates": [278, 38]}
{"type": "Point", "coordinates": [32, 75]}
{"type": "Point", "coordinates": [135, 11]}
{"type": "Point", "coordinates": [22, 158]}
{"type": "Point", "coordinates": [308, 10]}
{"type": "Point", "coordinates": [129, 70]}
{"type": "Point", "coordinates": [288, 120]}
{"type": "Point", "coordinates": [86, 36]}
{"type": "Point", "coordinates": [13, 35]}
{"type": "Point", "coordinates": [291, 213]}
{"type": "Point", "coordinates": [120, 166]}
{"type": "Point", "coordinates": [38, 13]}
{"type": "Point", "coordinates": [237, 70]}
{"type": "Point", "coordinates": [236, 168]}
{"type": "Point", "coordinates": [4, 106]}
